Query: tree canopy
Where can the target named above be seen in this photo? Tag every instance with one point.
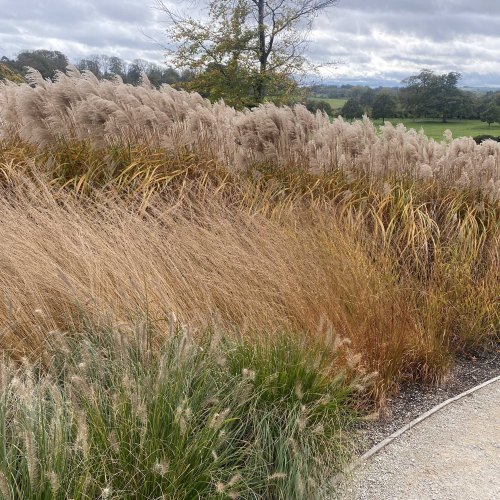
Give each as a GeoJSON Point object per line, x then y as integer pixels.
{"type": "Point", "coordinates": [384, 106]}
{"type": "Point", "coordinates": [431, 95]}
{"type": "Point", "coordinates": [244, 50]}
{"type": "Point", "coordinates": [491, 114]}
{"type": "Point", "coordinates": [47, 62]}
{"type": "Point", "coordinates": [352, 109]}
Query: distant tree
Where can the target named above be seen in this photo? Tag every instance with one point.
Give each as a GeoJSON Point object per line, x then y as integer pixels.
{"type": "Point", "coordinates": [351, 109]}
{"type": "Point", "coordinates": [117, 67]}
{"type": "Point", "coordinates": [468, 107]}
{"type": "Point", "coordinates": [7, 62]}
{"type": "Point", "coordinates": [491, 114]}
{"type": "Point", "coordinates": [384, 106]}
{"type": "Point", "coordinates": [155, 75]}
{"type": "Point", "coordinates": [90, 65]}
{"type": "Point", "coordinates": [429, 95]}
{"type": "Point", "coordinates": [104, 66]}
{"type": "Point", "coordinates": [171, 75]}
{"type": "Point", "coordinates": [103, 61]}
{"type": "Point", "coordinates": [101, 65]}
{"type": "Point", "coordinates": [159, 75]}
{"type": "Point", "coordinates": [135, 70]}
{"type": "Point", "coordinates": [355, 92]}
{"type": "Point", "coordinates": [47, 62]}
{"type": "Point", "coordinates": [367, 98]}
{"type": "Point", "coordinates": [97, 63]}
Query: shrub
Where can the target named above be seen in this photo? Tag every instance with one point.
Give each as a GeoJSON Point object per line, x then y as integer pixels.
{"type": "Point", "coordinates": [352, 109]}
{"type": "Point", "coordinates": [314, 105]}
{"type": "Point", "coordinates": [7, 73]}
{"type": "Point", "coordinates": [485, 137]}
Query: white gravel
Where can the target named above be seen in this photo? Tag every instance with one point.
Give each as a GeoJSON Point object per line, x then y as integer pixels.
{"type": "Point", "coordinates": [454, 454]}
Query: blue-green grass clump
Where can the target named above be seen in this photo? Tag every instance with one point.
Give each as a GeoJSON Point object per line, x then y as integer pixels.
{"type": "Point", "coordinates": [114, 413]}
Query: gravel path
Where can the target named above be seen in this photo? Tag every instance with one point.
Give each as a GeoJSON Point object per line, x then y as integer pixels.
{"type": "Point", "coordinates": [454, 454]}
{"type": "Point", "coordinates": [415, 399]}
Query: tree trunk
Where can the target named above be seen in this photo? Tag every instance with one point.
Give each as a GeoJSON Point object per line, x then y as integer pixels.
{"type": "Point", "coordinates": [261, 84]}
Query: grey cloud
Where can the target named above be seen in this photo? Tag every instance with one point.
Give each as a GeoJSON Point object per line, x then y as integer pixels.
{"type": "Point", "coordinates": [8, 28]}
{"type": "Point", "coordinates": [431, 7]}
{"type": "Point", "coordinates": [377, 39]}
{"type": "Point", "coordinates": [54, 12]}
{"type": "Point", "coordinates": [426, 26]}
{"type": "Point", "coordinates": [79, 27]}
{"type": "Point", "coordinates": [401, 37]}
{"type": "Point", "coordinates": [130, 11]}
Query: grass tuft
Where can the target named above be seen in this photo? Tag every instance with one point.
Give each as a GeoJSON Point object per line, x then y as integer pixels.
{"type": "Point", "coordinates": [200, 416]}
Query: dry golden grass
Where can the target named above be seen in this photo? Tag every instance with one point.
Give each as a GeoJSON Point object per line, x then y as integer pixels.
{"type": "Point", "coordinates": [120, 200]}
{"type": "Point", "coordinates": [133, 220]}
{"type": "Point", "coordinates": [408, 273]}
{"type": "Point", "coordinates": [204, 262]}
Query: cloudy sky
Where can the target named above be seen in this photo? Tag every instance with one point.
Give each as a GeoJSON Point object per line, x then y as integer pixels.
{"type": "Point", "coordinates": [378, 41]}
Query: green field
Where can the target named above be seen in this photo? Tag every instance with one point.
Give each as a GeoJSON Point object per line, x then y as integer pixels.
{"type": "Point", "coordinates": [334, 103]}
{"type": "Point", "coordinates": [435, 128]}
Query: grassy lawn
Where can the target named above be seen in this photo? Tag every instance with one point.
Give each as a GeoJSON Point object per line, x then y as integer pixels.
{"type": "Point", "coordinates": [435, 128]}
{"type": "Point", "coordinates": [334, 103]}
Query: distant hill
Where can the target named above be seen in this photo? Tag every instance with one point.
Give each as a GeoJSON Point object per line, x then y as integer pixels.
{"type": "Point", "coordinates": [481, 90]}
{"type": "Point", "coordinates": [7, 73]}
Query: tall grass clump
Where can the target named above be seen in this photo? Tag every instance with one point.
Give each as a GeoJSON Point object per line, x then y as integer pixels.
{"type": "Point", "coordinates": [78, 107]}
{"type": "Point", "coordinates": [109, 415]}
{"type": "Point", "coordinates": [243, 263]}
{"type": "Point", "coordinates": [326, 264]}
{"type": "Point", "coordinates": [407, 270]}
